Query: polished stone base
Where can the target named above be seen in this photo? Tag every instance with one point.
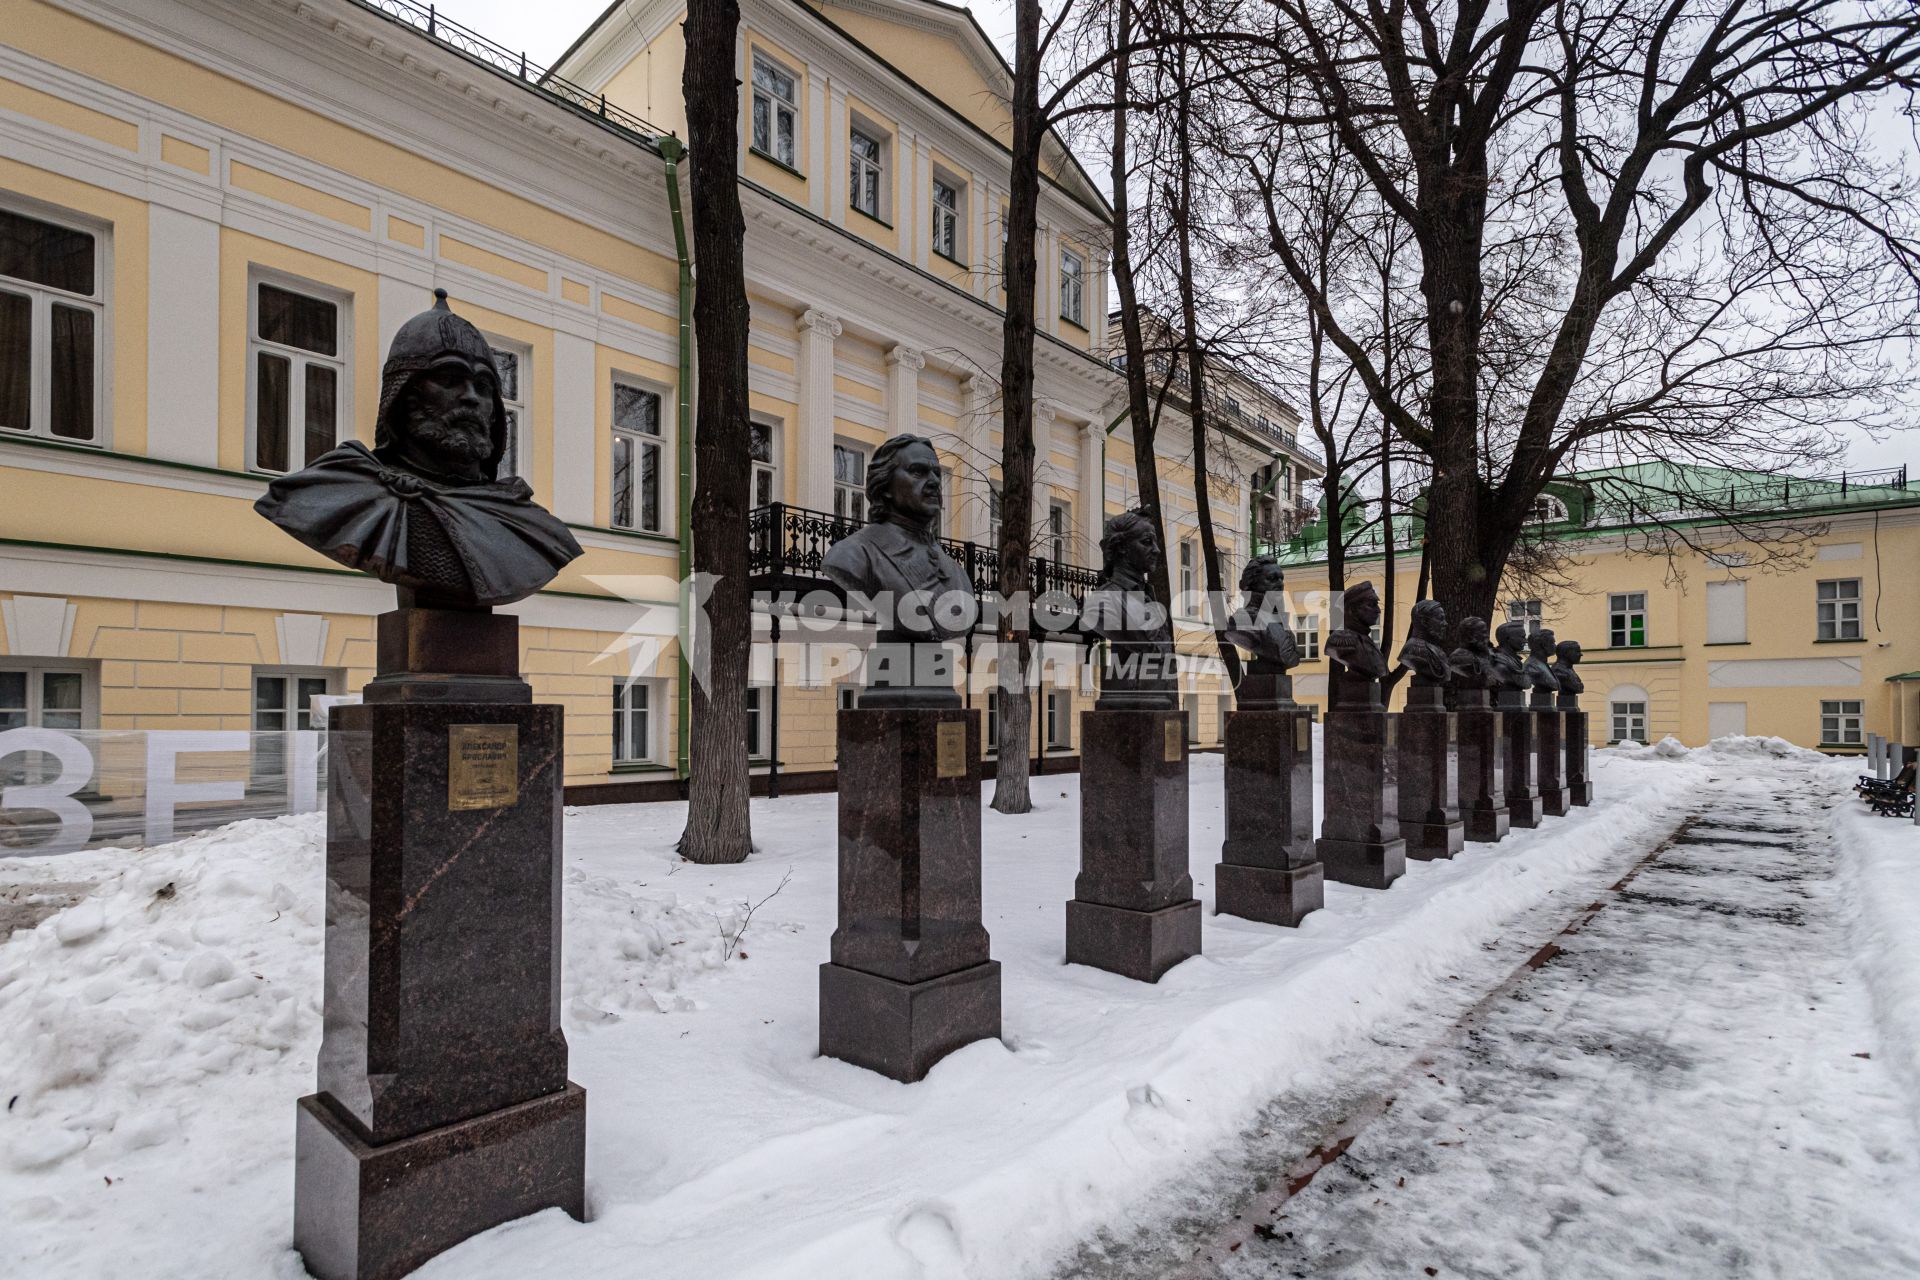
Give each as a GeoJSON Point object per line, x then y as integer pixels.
{"type": "Point", "coordinates": [1482, 781]}
{"type": "Point", "coordinates": [1579, 788]}
{"type": "Point", "coordinates": [378, 1212]}
{"type": "Point", "coordinates": [1271, 895]}
{"type": "Point", "coordinates": [1141, 945]}
{"type": "Point", "coordinates": [1486, 826]}
{"type": "Point", "coordinates": [1548, 755]}
{"type": "Point", "coordinates": [900, 1029]}
{"type": "Point", "coordinates": [1429, 783]}
{"type": "Point", "coordinates": [1517, 766]}
{"type": "Point", "coordinates": [1364, 864]}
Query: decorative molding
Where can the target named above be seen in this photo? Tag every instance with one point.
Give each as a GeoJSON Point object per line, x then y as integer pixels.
{"type": "Point", "coordinates": [820, 322]}
{"type": "Point", "coordinates": [303, 639]}
{"type": "Point", "coordinates": [38, 626]}
{"type": "Point", "coordinates": [906, 357]}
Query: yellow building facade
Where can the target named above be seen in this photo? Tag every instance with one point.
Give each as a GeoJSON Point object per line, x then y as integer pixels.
{"type": "Point", "coordinates": [214, 214]}
{"type": "Point", "coordinates": [1697, 628]}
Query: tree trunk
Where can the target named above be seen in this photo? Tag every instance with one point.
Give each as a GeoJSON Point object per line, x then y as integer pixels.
{"type": "Point", "coordinates": [1016, 409]}
{"type": "Point", "coordinates": [1139, 407]}
{"type": "Point", "coordinates": [1197, 374]}
{"type": "Point", "coordinates": [718, 824]}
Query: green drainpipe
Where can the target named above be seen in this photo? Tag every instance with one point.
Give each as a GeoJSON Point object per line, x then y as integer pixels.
{"type": "Point", "coordinates": [671, 150]}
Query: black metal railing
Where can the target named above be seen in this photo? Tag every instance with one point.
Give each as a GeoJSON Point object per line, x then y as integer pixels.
{"type": "Point", "coordinates": [787, 546]}
{"type": "Point", "coordinates": [427, 19]}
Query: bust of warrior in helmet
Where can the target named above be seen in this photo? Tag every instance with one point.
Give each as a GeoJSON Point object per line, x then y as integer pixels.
{"type": "Point", "coordinates": [425, 508]}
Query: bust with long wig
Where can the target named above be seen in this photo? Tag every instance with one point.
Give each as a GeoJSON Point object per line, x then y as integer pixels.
{"type": "Point", "coordinates": [895, 560]}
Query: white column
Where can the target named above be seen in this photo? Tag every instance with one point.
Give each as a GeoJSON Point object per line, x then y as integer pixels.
{"type": "Point", "coordinates": [903, 390]}
{"type": "Point", "coordinates": [575, 383]}
{"type": "Point", "coordinates": [974, 516]}
{"type": "Point", "coordinates": [183, 337]}
{"type": "Point", "coordinates": [817, 333]}
{"type": "Point", "coordinates": [836, 175]}
{"type": "Point", "coordinates": [985, 249]}
{"type": "Point", "coordinates": [1044, 474]}
{"type": "Point", "coordinates": [908, 200]}
{"type": "Point", "coordinates": [923, 200]}
{"type": "Point", "coordinates": [1046, 281]}
{"type": "Point", "coordinates": [819, 152]}
{"type": "Point", "coordinates": [1091, 509]}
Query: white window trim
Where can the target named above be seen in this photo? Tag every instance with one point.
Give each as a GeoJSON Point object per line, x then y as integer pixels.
{"type": "Point", "coordinates": [1857, 717]}
{"type": "Point", "coordinates": [342, 365]}
{"type": "Point", "coordinates": [759, 748]}
{"type": "Point", "coordinates": [1555, 510]}
{"type": "Point", "coordinates": [1840, 618]}
{"type": "Point", "coordinates": [1531, 612]}
{"type": "Point", "coordinates": [521, 463]}
{"type": "Point", "coordinates": [664, 442]}
{"type": "Point", "coordinates": [656, 708]}
{"type": "Point", "coordinates": [957, 211]}
{"type": "Point", "coordinates": [866, 457]}
{"type": "Point", "coordinates": [1077, 278]}
{"type": "Point", "coordinates": [857, 165]}
{"type": "Point", "coordinates": [1628, 612]}
{"type": "Point", "coordinates": [1615, 717]}
{"type": "Point", "coordinates": [774, 445]}
{"type": "Point", "coordinates": [40, 376]}
{"type": "Point", "coordinates": [774, 104]}
{"type": "Point", "coordinates": [1306, 634]}
{"type": "Point", "coordinates": [32, 667]}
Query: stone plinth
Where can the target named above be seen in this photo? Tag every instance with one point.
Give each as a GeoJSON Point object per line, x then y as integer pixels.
{"type": "Point", "coordinates": [1517, 761]}
{"type": "Point", "coordinates": [1428, 778]}
{"type": "Point", "coordinates": [1267, 869]}
{"type": "Point", "coordinates": [1360, 840]}
{"type": "Point", "coordinates": [443, 1106]}
{"type": "Point", "coordinates": [1133, 911]}
{"type": "Point", "coordinates": [1548, 756]}
{"type": "Point", "coordinates": [911, 979]}
{"type": "Point", "coordinates": [1579, 785]}
{"type": "Point", "coordinates": [1479, 749]}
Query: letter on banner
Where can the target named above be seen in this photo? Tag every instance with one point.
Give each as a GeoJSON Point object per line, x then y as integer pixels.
{"type": "Point", "coordinates": [164, 748]}
{"type": "Point", "coordinates": [56, 797]}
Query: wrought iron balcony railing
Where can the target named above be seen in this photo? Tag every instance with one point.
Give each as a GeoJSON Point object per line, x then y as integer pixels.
{"type": "Point", "coordinates": [787, 545]}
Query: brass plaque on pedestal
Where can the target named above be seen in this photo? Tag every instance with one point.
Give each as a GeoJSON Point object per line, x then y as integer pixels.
{"type": "Point", "coordinates": [483, 766]}
{"type": "Point", "coordinates": [1302, 735]}
{"type": "Point", "coordinates": [950, 749]}
{"type": "Point", "coordinates": [1172, 748]}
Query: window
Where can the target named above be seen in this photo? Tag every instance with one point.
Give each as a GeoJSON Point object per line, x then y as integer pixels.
{"type": "Point", "coordinates": [52, 295]}
{"type": "Point", "coordinates": [1059, 521]}
{"type": "Point", "coordinates": [763, 447]}
{"type": "Point", "coordinates": [756, 724]}
{"type": "Point", "coordinates": [1840, 724]}
{"type": "Point", "coordinates": [511, 361]}
{"type": "Point", "coordinates": [1627, 619]}
{"type": "Point", "coordinates": [46, 697]}
{"type": "Point", "coordinates": [1547, 509]}
{"type": "Point", "coordinates": [1306, 634]}
{"type": "Point", "coordinates": [633, 722]}
{"type": "Point", "coordinates": [1629, 721]}
{"type": "Point", "coordinates": [1186, 573]}
{"type": "Point", "coordinates": [1267, 482]}
{"type": "Point", "coordinates": [993, 721]}
{"type": "Point", "coordinates": [1073, 272]}
{"type": "Point", "coordinates": [1527, 611]}
{"type": "Point", "coordinates": [993, 515]}
{"type": "Point", "coordinates": [1839, 609]}
{"type": "Point", "coordinates": [295, 360]}
{"type": "Point", "coordinates": [282, 704]}
{"type": "Point", "coordinates": [864, 181]}
{"type": "Point", "coordinates": [773, 110]}
{"type": "Point", "coordinates": [1059, 720]}
{"type": "Point", "coordinates": [849, 481]}
{"type": "Point", "coordinates": [946, 219]}
{"type": "Point", "coordinates": [848, 696]}
{"type": "Point", "coordinates": [638, 447]}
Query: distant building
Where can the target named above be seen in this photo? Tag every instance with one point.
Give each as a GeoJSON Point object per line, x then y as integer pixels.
{"type": "Point", "coordinates": [1819, 648]}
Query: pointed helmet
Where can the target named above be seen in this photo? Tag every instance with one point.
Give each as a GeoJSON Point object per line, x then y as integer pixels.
{"type": "Point", "coordinates": [420, 343]}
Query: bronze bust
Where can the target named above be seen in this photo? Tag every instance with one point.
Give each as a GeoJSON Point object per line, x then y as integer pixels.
{"type": "Point", "coordinates": [1540, 647]}
{"type": "Point", "coordinates": [1260, 627]}
{"type": "Point", "coordinates": [1121, 610]}
{"type": "Point", "coordinates": [1472, 662]}
{"type": "Point", "coordinates": [896, 557]}
{"type": "Point", "coordinates": [1422, 654]}
{"type": "Point", "coordinates": [1509, 675]}
{"type": "Point", "coordinates": [424, 508]}
{"type": "Point", "coordinates": [1567, 657]}
{"type": "Point", "coordinates": [1356, 665]}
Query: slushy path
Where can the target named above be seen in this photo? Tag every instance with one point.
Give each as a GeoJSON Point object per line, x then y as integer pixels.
{"type": "Point", "coordinates": [1683, 1086]}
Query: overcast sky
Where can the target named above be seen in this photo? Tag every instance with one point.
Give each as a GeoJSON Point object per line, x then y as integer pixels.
{"type": "Point", "coordinates": [544, 31]}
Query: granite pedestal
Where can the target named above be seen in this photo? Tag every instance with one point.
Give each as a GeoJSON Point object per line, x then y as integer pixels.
{"type": "Point", "coordinates": [1430, 821]}
{"type": "Point", "coordinates": [1478, 748]}
{"type": "Point", "coordinates": [1517, 760]}
{"type": "Point", "coordinates": [911, 979]}
{"type": "Point", "coordinates": [1549, 756]}
{"type": "Point", "coordinates": [443, 1106]}
{"type": "Point", "coordinates": [1267, 869]}
{"type": "Point", "coordinates": [1360, 841]}
{"type": "Point", "coordinates": [1133, 911]}
{"type": "Point", "coordinates": [1574, 730]}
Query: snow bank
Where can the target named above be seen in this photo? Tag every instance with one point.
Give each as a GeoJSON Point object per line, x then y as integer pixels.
{"type": "Point", "coordinates": [158, 1033]}
{"type": "Point", "coordinates": [1881, 857]}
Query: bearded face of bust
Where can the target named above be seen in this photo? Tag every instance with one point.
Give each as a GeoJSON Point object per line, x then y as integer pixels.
{"type": "Point", "coordinates": [449, 408]}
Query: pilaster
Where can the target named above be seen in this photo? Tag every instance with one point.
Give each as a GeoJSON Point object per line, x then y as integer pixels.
{"type": "Point", "coordinates": [818, 330]}
{"type": "Point", "coordinates": [903, 390]}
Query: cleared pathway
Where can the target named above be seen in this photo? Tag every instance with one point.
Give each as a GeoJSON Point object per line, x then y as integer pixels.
{"type": "Point", "coordinates": [1681, 1086]}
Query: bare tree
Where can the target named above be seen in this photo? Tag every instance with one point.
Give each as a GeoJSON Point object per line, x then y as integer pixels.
{"type": "Point", "coordinates": [1644, 229]}
{"type": "Point", "coordinates": [719, 827]}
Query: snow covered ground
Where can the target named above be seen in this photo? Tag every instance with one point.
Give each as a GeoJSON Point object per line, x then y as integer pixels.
{"type": "Point", "coordinates": [153, 1039]}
